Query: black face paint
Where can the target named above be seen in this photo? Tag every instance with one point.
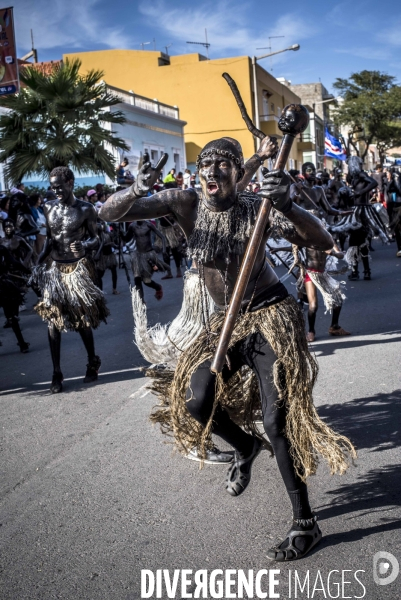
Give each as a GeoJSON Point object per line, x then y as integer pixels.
{"type": "Point", "coordinates": [61, 188]}
{"type": "Point", "coordinates": [309, 174]}
{"type": "Point", "coordinates": [9, 229]}
{"type": "Point", "coordinates": [218, 176]}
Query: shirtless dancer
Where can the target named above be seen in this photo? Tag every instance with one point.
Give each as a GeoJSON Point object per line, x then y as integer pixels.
{"type": "Point", "coordinates": [363, 222]}
{"type": "Point", "coordinates": [217, 225]}
{"type": "Point", "coordinates": [316, 278]}
{"type": "Point", "coordinates": [22, 253]}
{"type": "Point", "coordinates": [310, 196]}
{"type": "Point", "coordinates": [144, 260]}
{"type": "Point", "coordinates": [11, 293]}
{"type": "Point", "coordinates": [70, 297]}
{"type": "Point", "coordinates": [173, 236]}
{"type": "Point", "coordinates": [16, 244]}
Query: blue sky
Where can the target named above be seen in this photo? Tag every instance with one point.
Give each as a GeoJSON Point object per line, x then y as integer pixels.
{"type": "Point", "coordinates": [336, 38]}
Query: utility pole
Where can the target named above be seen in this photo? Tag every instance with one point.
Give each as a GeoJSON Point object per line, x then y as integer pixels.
{"type": "Point", "coordinates": [33, 53]}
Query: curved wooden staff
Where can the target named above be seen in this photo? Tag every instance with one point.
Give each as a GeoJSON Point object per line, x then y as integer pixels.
{"type": "Point", "coordinates": [248, 122]}
{"type": "Point", "coordinates": [233, 87]}
{"type": "Point", "coordinates": [290, 130]}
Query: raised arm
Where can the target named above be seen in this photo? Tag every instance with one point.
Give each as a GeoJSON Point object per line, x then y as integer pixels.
{"type": "Point", "coordinates": [131, 204]}
{"type": "Point", "coordinates": [267, 149]}
{"type": "Point", "coordinates": [307, 230]}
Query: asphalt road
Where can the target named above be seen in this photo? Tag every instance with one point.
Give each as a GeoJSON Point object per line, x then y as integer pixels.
{"type": "Point", "coordinates": [91, 494]}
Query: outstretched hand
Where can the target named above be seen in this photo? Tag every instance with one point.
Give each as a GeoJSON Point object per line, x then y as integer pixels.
{"type": "Point", "coordinates": [276, 187]}
{"type": "Point", "coordinates": [148, 175]}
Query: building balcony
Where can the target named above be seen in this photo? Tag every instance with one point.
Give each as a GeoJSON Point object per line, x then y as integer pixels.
{"type": "Point", "coordinates": [269, 126]}
{"type": "Point", "coordinates": [306, 143]}
{"type": "Point", "coordinates": [146, 103]}
{"type": "Point", "coordinates": [269, 118]}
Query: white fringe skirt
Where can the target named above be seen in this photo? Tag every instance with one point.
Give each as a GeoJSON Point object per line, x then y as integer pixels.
{"type": "Point", "coordinates": [330, 288]}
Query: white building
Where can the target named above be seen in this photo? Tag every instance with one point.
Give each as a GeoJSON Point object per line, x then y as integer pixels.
{"type": "Point", "coordinates": [150, 126]}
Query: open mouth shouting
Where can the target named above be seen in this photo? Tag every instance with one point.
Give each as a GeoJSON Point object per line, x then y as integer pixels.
{"type": "Point", "coordinates": [212, 187]}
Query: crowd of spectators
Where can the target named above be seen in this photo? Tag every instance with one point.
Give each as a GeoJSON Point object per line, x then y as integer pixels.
{"type": "Point", "coordinates": [180, 180]}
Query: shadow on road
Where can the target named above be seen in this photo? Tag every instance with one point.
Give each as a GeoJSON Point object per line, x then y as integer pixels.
{"type": "Point", "coordinates": [373, 422]}
{"type": "Point", "coordinates": [76, 385]}
{"type": "Point", "coordinates": [329, 348]}
{"type": "Point", "coordinates": [377, 491]}
{"type": "Point", "coordinates": [355, 535]}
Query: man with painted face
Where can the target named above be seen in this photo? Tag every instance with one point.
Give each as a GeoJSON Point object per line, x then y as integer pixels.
{"type": "Point", "coordinates": [269, 367]}
{"type": "Point", "coordinates": [22, 252]}
{"type": "Point", "coordinates": [144, 260]}
{"type": "Point", "coordinates": [70, 299]}
{"type": "Point", "coordinates": [11, 292]}
{"type": "Point", "coordinates": [16, 244]}
{"type": "Point", "coordinates": [310, 195]}
{"type": "Point", "coordinates": [316, 276]}
{"type": "Point", "coordinates": [335, 184]}
{"type": "Point", "coordinates": [363, 222]}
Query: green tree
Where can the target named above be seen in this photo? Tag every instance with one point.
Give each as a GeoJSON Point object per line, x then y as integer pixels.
{"type": "Point", "coordinates": [64, 119]}
{"type": "Point", "coordinates": [371, 108]}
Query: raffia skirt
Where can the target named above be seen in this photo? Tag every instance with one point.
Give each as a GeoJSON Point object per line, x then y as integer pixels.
{"type": "Point", "coordinates": [70, 298]}
{"type": "Point", "coordinates": [294, 375]}
{"type": "Point", "coordinates": [106, 261]}
{"type": "Point", "coordinates": [330, 288]}
{"type": "Point", "coordinates": [142, 263]}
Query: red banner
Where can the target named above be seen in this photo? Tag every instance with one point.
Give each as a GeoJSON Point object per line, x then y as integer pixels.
{"type": "Point", "coordinates": [9, 82]}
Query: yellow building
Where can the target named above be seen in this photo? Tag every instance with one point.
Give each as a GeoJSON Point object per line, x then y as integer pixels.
{"type": "Point", "coordinates": [196, 86]}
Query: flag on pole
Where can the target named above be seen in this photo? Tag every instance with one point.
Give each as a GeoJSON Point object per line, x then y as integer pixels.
{"type": "Point", "coordinates": [332, 147]}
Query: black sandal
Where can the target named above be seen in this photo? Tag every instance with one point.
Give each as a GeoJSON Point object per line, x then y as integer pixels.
{"type": "Point", "coordinates": [238, 477]}
{"type": "Point", "coordinates": [290, 552]}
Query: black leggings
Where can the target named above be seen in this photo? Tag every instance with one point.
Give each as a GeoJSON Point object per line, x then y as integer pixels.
{"type": "Point", "coordinates": [100, 275]}
{"type": "Point", "coordinates": [138, 281]}
{"type": "Point", "coordinates": [359, 237]}
{"type": "Point", "coordinates": [177, 256]}
{"type": "Point", "coordinates": [255, 352]}
{"type": "Point", "coordinates": [11, 312]}
{"type": "Point", "coordinates": [312, 312]}
{"type": "Point", "coordinates": [398, 237]}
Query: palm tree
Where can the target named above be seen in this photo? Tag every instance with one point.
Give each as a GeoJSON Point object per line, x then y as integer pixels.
{"type": "Point", "coordinates": [64, 119]}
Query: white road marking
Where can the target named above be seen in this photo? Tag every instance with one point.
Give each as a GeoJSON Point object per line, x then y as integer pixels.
{"type": "Point", "coordinates": [69, 379]}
